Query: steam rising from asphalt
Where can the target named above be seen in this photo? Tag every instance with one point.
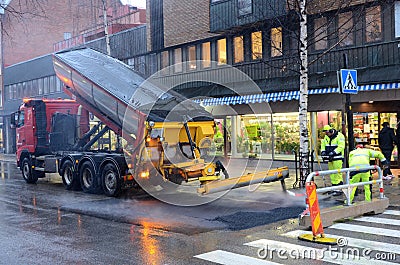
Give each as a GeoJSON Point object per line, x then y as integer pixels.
{"type": "Point", "coordinates": [161, 84]}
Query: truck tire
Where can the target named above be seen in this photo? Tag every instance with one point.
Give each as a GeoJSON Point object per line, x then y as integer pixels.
{"type": "Point", "coordinates": [88, 178]}
{"type": "Point", "coordinates": [71, 182]}
{"type": "Point", "coordinates": [27, 172]}
{"type": "Point", "coordinates": [110, 180]}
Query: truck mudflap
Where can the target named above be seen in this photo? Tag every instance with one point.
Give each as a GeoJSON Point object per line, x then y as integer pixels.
{"type": "Point", "coordinates": [278, 174]}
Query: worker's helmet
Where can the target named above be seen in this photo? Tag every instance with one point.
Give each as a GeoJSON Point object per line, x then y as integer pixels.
{"type": "Point", "coordinates": [359, 146]}
{"type": "Point", "coordinates": [326, 128]}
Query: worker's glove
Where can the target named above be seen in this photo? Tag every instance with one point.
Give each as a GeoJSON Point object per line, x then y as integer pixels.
{"type": "Point", "coordinates": [323, 153]}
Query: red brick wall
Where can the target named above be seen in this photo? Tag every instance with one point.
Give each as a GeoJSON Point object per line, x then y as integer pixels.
{"type": "Point", "coordinates": [29, 36]}
{"type": "Point", "coordinates": [184, 21]}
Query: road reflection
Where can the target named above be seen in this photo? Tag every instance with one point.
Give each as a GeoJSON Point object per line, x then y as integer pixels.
{"type": "Point", "coordinates": [150, 246]}
{"type": "Point", "coordinates": [5, 170]}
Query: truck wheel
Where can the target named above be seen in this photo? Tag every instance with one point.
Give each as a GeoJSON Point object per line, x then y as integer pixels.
{"type": "Point", "coordinates": [88, 178]}
{"type": "Point", "coordinates": [68, 176]}
{"type": "Point", "coordinates": [111, 181]}
{"type": "Point", "coordinates": [26, 170]}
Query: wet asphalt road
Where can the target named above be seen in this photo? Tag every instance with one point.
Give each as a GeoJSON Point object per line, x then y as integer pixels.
{"type": "Point", "coordinates": [45, 224]}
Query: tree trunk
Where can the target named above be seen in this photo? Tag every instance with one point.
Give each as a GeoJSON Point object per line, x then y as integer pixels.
{"type": "Point", "coordinates": [303, 100]}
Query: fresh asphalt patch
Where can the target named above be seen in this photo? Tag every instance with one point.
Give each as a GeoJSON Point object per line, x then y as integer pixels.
{"type": "Point", "coordinates": [245, 220]}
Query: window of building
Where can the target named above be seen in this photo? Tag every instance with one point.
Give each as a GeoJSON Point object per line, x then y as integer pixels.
{"type": "Point", "coordinates": [238, 49]}
{"type": "Point", "coordinates": [52, 83]}
{"type": "Point", "coordinates": [373, 24]}
{"type": "Point", "coordinates": [59, 85]}
{"type": "Point", "coordinates": [256, 45]}
{"type": "Point", "coordinates": [178, 60]}
{"type": "Point", "coordinates": [397, 19]}
{"type": "Point", "coordinates": [192, 57]}
{"type": "Point", "coordinates": [276, 42]}
{"type": "Point", "coordinates": [152, 63]}
{"type": "Point", "coordinates": [67, 35]}
{"type": "Point", "coordinates": [164, 59]}
{"type": "Point", "coordinates": [320, 33]}
{"type": "Point", "coordinates": [221, 51]}
{"type": "Point", "coordinates": [46, 85]}
{"type": "Point", "coordinates": [345, 29]}
{"type": "Point", "coordinates": [141, 64]}
{"type": "Point", "coordinates": [206, 54]}
{"type": "Point", "coordinates": [19, 91]}
{"type": "Point", "coordinates": [245, 7]}
{"type": "Point", "coordinates": [40, 86]}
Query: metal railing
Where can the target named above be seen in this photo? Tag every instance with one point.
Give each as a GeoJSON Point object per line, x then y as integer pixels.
{"type": "Point", "coordinates": [349, 186]}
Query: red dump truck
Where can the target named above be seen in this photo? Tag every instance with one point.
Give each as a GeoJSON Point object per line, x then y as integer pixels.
{"type": "Point", "coordinates": [149, 139]}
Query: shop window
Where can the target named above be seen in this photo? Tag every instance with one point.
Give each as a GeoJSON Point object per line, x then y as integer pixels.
{"type": "Point", "coordinates": [206, 54]}
{"type": "Point", "coordinates": [256, 45]}
{"type": "Point", "coordinates": [192, 57]}
{"type": "Point", "coordinates": [373, 24]}
{"type": "Point", "coordinates": [397, 19]}
{"type": "Point", "coordinates": [320, 33]}
{"type": "Point", "coordinates": [238, 48]}
{"type": "Point", "coordinates": [178, 60]}
{"type": "Point", "coordinates": [345, 29]}
{"type": "Point", "coordinates": [221, 51]}
{"type": "Point", "coordinates": [255, 136]}
{"type": "Point", "coordinates": [276, 42]}
{"type": "Point", "coordinates": [286, 128]}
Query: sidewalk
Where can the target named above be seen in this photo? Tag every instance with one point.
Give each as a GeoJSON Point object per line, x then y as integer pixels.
{"type": "Point", "coordinates": [8, 158]}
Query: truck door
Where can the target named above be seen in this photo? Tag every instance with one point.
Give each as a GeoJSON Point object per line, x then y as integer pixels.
{"type": "Point", "coordinates": [24, 130]}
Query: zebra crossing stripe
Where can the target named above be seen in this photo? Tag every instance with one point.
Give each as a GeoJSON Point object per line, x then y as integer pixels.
{"type": "Point", "coordinates": [229, 258]}
{"type": "Point", "coordinates": [367, 230]}
{"type": "Point", "coordinates": [392, 212]}
{"type": "Point", "coordinates": [285, 251]}
{"type": "Point", "coordinates": [377, 220]}
{"type": "Point", "coordinates": [355, 242]}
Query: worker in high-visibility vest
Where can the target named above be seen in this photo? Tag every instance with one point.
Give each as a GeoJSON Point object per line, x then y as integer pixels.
{"type": "Point", "coordinates": [360, 157]}
{"type": "Point", "coordinates": [332, 149]}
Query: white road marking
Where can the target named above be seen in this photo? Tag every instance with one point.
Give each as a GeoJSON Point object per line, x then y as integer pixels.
{"type": "Point", "coordinates": [283, 250]}
{"type": "Point", "coordinates": [229, 258]}
{"type": "Point", "coordinates": [392, 212]}
{"type": "Point", "coordinates": [367, 230]}
{"type": "Point", "coordinates": [377, 220]}
{"type": "Point", "coordinates": [355, 242]}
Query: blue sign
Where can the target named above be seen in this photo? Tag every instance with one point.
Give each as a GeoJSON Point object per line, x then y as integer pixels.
{"type": "Point", "coordinates": [348, 81]}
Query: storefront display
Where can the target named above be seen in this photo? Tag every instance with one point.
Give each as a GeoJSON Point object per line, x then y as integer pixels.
{"type": "Point", "coordinates": [367, 126]}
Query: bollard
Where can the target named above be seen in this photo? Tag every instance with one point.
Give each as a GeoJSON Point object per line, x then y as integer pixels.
{"type": "Point", "coordinates": [317, 235]}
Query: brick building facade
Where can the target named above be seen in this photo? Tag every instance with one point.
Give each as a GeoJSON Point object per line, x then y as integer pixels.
{"type": "Point", "coordinates": [40, 26]}
{"type": "Point", "coordinates": [181, 22]}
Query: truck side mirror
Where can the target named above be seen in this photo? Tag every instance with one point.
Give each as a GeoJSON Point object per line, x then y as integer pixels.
{"type": "Point", "coordinates": [13, 121]}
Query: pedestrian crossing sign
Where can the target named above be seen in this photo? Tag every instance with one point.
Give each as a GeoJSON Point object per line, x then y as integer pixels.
{"type": "Point", "coordinates": [347, 80]}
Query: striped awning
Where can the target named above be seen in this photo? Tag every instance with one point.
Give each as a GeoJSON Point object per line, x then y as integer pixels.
{"type": "Point", "coordinates": [286, 95]}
